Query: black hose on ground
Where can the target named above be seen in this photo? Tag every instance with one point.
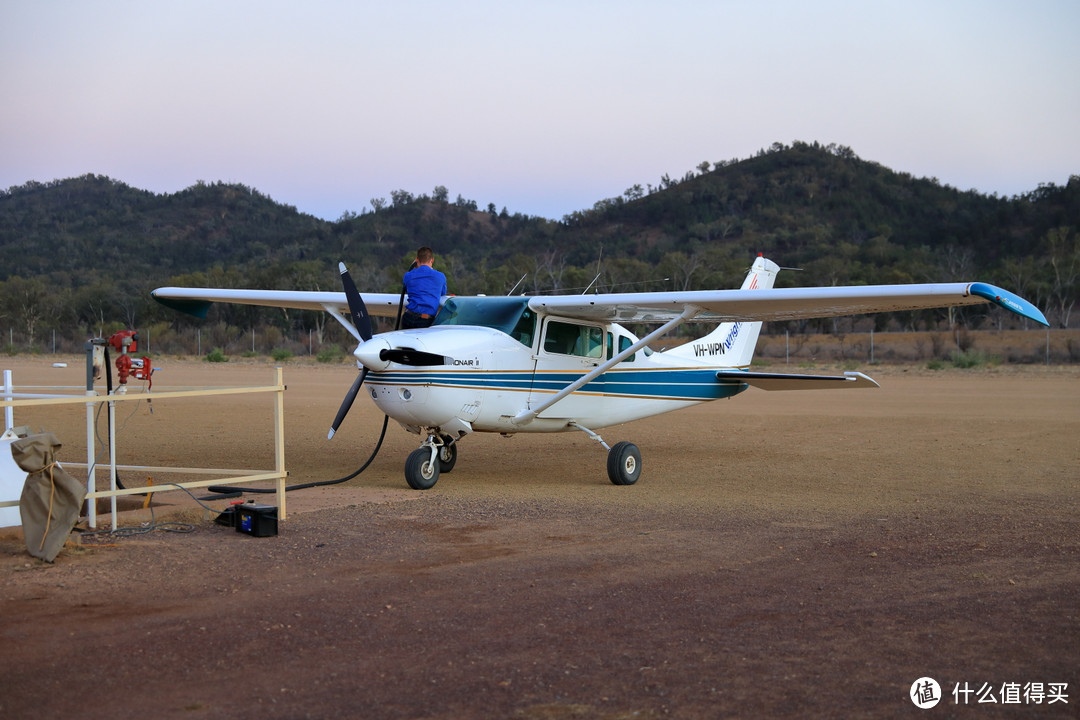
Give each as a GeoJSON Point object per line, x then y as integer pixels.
{"type": "Point", "coordinates": [226, 491]}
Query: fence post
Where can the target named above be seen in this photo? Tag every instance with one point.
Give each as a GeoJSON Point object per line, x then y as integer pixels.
{"type": "Point", "coordinates": [9, 412]}
{"type": "Point", "coordinates": [279, 442]}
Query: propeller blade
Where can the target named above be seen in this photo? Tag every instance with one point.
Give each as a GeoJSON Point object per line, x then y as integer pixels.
{"type": "Point", "coordinates": [347, 403]}
{"type": "Point", "coordinates": [408, 356]}
{"type": "Point", "coordinates": [357, 308]}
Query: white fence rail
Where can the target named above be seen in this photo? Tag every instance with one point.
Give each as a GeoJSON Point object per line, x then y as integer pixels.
{"type": "Point", "coordinates": [11, 400]}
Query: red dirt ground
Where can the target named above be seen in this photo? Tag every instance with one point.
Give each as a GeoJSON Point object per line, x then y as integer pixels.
{"type": "Point", "coordinates": [784, 555]}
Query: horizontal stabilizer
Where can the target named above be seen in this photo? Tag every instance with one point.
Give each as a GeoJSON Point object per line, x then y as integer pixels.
{"type": "Point", "coordinates": [790, 381]}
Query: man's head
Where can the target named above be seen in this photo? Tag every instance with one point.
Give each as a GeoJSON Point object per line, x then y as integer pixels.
{"type": "Point", "coordinates": [425, 255]}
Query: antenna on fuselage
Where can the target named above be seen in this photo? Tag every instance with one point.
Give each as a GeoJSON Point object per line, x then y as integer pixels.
{"type": "Point", "coordinates": [591, 284]}
{"type": "Point", "coordinates": [518, 283]}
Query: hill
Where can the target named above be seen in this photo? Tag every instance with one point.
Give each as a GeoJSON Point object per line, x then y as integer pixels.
{"type": "Point", "coordinates": [80, 253]}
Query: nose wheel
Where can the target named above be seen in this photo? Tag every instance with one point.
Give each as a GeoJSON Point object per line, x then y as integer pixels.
{"type": "Point", "coordinates": [437, 455]}
{"type": "Point", "coordinates": [421, 472]}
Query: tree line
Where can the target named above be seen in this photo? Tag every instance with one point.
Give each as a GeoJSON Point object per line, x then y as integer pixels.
{"type": "Point", "coordinates": [81, 254]}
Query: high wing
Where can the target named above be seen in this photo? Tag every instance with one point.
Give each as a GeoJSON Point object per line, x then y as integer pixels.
{"type": "Point", "coordinates": [196, 301]}
{"type": "Point", "coordinates": [712, 305]}
{"type": "Point", "coordinates": [780, 303]}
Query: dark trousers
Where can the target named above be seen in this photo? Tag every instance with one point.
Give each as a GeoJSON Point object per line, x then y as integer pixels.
{"type": "Point", "coordinates": [411, 320]}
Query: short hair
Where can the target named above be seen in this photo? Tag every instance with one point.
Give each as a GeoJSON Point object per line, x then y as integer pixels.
{"type": "Point", "coordinates": [425, 254]}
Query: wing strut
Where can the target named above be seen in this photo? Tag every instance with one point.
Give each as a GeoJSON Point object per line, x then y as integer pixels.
{"type": "Point", "coordinates": [527, 416]}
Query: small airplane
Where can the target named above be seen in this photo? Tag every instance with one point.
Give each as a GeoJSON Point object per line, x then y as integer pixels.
{"type": "Point", "coordinates": [519, 364]}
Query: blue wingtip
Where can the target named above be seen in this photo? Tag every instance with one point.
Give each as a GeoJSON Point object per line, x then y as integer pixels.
{"type": "Point", "coordinates": [1009, 301]}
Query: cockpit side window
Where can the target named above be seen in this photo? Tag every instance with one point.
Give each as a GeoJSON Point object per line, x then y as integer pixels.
{"type": "Point", "coordinates": [525, 329]}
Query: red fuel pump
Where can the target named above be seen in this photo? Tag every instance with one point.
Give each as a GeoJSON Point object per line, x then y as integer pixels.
{"type": "Point", "coordinates": [124, 342]}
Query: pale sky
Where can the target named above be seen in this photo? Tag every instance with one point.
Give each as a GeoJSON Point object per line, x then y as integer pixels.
{"type": "Point", "coordinates": [540, 107]}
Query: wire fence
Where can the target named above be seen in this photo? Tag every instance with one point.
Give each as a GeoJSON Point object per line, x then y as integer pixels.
{"type": "Point", "coordinates": [332, 344]}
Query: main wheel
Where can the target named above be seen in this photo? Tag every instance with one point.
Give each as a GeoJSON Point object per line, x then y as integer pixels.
{"type": "Point", "coordinates": [447, 457]}
{"type": "Point", "coordinates": [624, 463]}
{"type": "Point", "coordinates": [420, 472]}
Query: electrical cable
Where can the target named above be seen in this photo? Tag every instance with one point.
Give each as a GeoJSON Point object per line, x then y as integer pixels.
{"type": "Point", "coordinates": [173, 527]}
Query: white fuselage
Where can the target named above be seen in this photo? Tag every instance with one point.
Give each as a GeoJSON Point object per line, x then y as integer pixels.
{"type": "Point", "coordinates": [488, 377]}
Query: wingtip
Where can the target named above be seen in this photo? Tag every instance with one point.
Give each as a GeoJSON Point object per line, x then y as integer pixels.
{"type": "Point", "coordinates": [1009, 301]}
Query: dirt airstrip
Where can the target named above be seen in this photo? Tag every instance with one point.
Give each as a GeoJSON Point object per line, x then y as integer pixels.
{"type": "Point", "coordinates": [784, 555]}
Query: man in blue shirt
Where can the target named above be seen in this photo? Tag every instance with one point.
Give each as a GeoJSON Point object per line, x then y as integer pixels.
{"type": "Point", "coordinates": [425, 287]}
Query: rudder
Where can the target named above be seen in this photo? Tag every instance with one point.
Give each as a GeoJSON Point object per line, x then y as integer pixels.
{"type": "Point", "coordinates": [732, 344]}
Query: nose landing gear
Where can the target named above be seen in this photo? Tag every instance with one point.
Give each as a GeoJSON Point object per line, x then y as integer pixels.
{"type": "Point", "coordinates": [437, 455]}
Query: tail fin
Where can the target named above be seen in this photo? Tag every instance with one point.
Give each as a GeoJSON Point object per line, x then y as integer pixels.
{"type": "Point", "coordinates": [732, 344]}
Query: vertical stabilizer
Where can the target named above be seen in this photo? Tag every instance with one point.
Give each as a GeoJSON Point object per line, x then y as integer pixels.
{"type": "Point", "coordinates": [731, 344]}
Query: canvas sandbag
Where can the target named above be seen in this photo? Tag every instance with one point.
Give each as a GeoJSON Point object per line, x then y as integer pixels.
{"type": "Point", "coordinates": [51, 499]}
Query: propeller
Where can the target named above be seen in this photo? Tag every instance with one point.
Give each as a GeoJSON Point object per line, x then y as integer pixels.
{"type": "Point", "coordinates": [362, 321]}
{"type": "Point", "coordinates": [347, 403]}
{"type": "Point", "coordinates": [357, 308]}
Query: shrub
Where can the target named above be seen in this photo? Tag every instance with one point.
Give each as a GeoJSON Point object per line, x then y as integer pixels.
{"type": "Point", "coordinates": [217, 355]}
{"type": "Point", "coordinates": [329, 354]}
{"type": "Point", "coordinates": [973, 359]}
{"type": "Point", "coordinates": [281, 354]}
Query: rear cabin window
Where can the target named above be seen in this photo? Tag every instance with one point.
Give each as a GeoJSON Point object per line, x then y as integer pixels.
{"type": "Point", "coordinates": [624, 343]}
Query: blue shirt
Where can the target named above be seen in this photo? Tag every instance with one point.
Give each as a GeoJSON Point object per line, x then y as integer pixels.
{"type": "Point", "coordinates": [425, 287]}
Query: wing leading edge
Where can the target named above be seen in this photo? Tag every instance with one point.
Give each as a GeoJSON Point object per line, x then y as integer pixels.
{"type": "Point", "coordinates": [196, 301]}
{"type": "Point", "coordinates": [781, 303]}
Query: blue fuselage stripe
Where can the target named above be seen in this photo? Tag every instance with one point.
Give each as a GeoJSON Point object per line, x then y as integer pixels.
{"type": "Point", "coordinates": [688, 384]}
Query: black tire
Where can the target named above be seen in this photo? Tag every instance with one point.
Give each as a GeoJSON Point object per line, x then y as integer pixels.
{"type": "Point", "coordinates": [447, 457]}
{"type": "Point", "coordinates": [624, 463]}
{"type": "Point", "coordinates": [420, 472]}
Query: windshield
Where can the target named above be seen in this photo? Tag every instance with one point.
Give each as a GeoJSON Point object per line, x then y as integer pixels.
{"type": "Point", "coordinates": [510, 315]}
